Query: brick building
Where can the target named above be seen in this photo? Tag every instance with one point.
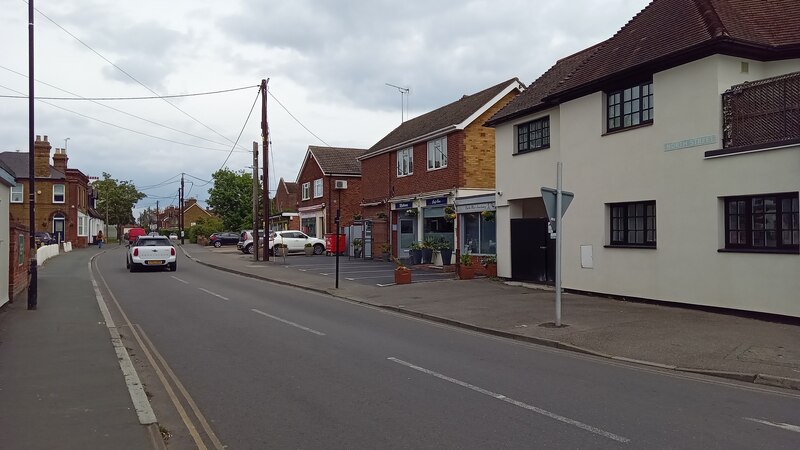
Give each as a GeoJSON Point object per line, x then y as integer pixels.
{"type": "Point", "coordinates": [284, 207]}
{"type": "Point", "coordinates": [318, 196]}
{"type": "Point", "coordinates": [62, 193]}
{"type": "Point", "coordinates": [429, 168]}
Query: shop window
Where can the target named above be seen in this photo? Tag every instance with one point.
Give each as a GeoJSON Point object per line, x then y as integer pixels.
{"type": "Point", "coordinates": [479, 234]}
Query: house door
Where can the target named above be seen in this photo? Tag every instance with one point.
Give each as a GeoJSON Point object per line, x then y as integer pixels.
{"type": "Point", "coordinates": [58, 227]}
{"type": "Point", "coordinates": [406, 234]}
{"type": "Point", "coordinates": [532, 251]}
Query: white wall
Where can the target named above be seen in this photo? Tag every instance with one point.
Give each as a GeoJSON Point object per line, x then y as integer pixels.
{"type": "Point", "coordinates": [5, 195]}
{"type": "Point", "coordinates": [634, 166]}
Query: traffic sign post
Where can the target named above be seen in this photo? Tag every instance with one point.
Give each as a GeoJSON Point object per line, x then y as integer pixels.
{"type": "Point", "coordinates": [556, 202]}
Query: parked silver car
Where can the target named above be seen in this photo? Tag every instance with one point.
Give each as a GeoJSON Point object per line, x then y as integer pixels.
{"type": "Point", "coordinates": [245, 243]}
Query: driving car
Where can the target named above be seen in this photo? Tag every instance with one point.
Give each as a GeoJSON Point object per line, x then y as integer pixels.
{"type": "Point", "coordinates": [295, 241]}
{"type": "Point", "coordinates": [245, 243]}
{"type": "Point", "coordinates": [223, 238]}
{"type": "Point", "coordinates": [134, 233]}
{"type": "Point", "coordinates": [151, 251]}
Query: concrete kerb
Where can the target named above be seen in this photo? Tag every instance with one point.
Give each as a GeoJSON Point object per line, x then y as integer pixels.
{"type": "Point", "coordinates": [768, 380]}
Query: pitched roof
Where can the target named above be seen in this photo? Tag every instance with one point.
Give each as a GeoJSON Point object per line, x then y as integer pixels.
{"type": "Point", "coordinates": [667, 33]}
{"type": "Point", "coordinates": [442, 118]}
{"type": "Point", "coordinates": [291, 186]}
{"type": "Point", "coordinates": [18, 163]}
{"type": "Point", "coordinates": [337, 160]}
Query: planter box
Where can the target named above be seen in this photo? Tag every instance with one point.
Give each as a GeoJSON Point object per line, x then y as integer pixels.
{"type": "Point", "coordinates": [466, 272]}
{"type": "Point", "coordinates": [309, 251]}
{"type": "Point", "coordinates": [402, 276]}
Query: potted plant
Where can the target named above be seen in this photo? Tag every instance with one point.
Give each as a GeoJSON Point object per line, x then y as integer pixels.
{"type": "Point", "coordinates": [402, 274]}
{"type": "Point", "coordinates": [488, 216]}
{"type": "Point", "coordinates": [411, 212]}
{"type": "Point", "coordinates": [489, 262]}
{"type": "Point", "coordinates": [426, 248]}
{"type": "Point", "coordinates": [465, 269]}
{"type": "Point", "coordinates": [358, 247]}
{"type": "Point", "coordinates": [309, 249]}
{"type": "Point", "coordinates": [381, 215]}
{"type": "Point", "coordinates": [449, 213]}
{"type": "Point", "coordinates": [280, 249]}
{"type": "Point", "coordinates": [415, 252]}
{"type": "Point", "coordinates": [356, 216]}
{"type": "Point", "coordinates": [445, 250]}
{"type": "Point", "coordinates": [386, 251]}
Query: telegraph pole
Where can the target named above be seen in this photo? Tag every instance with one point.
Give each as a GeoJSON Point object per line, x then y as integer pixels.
{"type": "Point", "coordinates": [265, 165]}
{"type": "Point", "coordinates": [157, 227]}
{"type": "Point", "coordinates": [33, 284]}
{"type": "Point", "coordinates": [180, 218]}
{"type": "Point", "coordinates": [255, 201]}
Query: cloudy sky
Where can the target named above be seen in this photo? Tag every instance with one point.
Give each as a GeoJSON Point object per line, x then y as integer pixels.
{"type": "Point", "coordinates": [328, 65]}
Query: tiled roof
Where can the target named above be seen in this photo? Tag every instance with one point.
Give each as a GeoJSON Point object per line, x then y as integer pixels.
{"type": "Point", "coordinates": [441, 118]}
{"type": "Point", "coordinates": [337, 160]}
{"type": "Point", "coordinates": [291, 187]}
{"type": "Point", "coordinates": [18, 162]}
{"type": "Point", "coordinates": [665, 29]}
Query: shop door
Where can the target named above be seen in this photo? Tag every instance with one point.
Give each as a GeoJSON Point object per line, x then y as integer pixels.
{"type": "Point", "coordinates": [406, 235]}
{"type": "Point", "coordinates": [532, 252]}
{"type": "Point", "coordinates": [58, 228]}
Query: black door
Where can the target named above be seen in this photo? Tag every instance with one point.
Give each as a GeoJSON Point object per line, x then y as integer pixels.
{"type": "Point", "coordinates": [532, 252]}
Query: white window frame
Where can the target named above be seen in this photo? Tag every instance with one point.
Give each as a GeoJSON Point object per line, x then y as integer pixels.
{"type": "Point", "coordinates": [437, 157]}
{"type": "Point", "coordinates": [63, 193]}
{"type": "Point", "coordinates": [83, 224]}
{"type": "Point", "coordinates": [306, 191]}
{"type": "Point", "coordinates": [405, 162]}
{"type": "Point", "coordinates": [318, 188]}
{"type": "Point", "coordinates": [17, 190]}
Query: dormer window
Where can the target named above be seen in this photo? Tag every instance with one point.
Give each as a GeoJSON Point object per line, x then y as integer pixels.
{"type": "Point", "coordinates": [630, 107]}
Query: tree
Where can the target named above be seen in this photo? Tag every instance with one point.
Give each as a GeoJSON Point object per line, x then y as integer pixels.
{"type": "Point", "coordinates": [231, 198]}
{"type": "Point", "coordinates": [115, 200]}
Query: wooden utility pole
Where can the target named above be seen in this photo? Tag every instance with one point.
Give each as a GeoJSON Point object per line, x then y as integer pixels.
{"type": "Point", "coordinates": [265, 147]}
{"type": "Point", "coordinates": [180, 205]}
{"type": "Point", "coordinates": [256, 222]}
{"type": "Point", "coordinates": [33, 283]}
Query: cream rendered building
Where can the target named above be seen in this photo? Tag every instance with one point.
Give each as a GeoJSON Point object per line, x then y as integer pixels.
{"type": "Point", "coordinates": [675, 200]}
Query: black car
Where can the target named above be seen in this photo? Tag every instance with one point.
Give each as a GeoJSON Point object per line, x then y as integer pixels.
{"type": "Point", "coordinates": [223, 238]}
{"type": "Point", "coordinates": [44, 238]}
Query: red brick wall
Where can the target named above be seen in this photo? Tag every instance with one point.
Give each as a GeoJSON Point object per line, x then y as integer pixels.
{"type": "Point", "coordinates": [351, 201]}
{"type": "Point", "coordinates": [377, 174]}
{"type": "Point", "coordinates": [18, 274]}
{"type": "Point", "coordinates": [283, 201]}
{"type": "Point", "coordinates": [423, 180]}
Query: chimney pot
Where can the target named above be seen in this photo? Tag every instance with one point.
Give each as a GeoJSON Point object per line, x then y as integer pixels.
{"type": "Point", "coordinates": [38, 138]}
{"type": "Point", "coordinates": [45, 138]}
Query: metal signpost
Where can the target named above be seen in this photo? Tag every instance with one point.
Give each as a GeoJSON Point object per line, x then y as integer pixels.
{"type": "Point", "coordinates": [339, 187]}
{"type": "Point", "coordinates": [556, 202]}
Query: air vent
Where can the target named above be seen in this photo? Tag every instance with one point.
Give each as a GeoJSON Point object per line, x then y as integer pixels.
{"type": "Point", "coordinates": [341, 184]}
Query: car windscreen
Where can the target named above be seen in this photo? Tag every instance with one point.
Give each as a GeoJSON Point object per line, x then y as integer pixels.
{"type": "Point", "coordinates": [152, 242]}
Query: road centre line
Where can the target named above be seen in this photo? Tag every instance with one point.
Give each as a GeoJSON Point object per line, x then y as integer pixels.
{"type": "Point", "coordinates": [784, 426]}
{"type": "Point", "coordinates": [522, 405]}
{"type": "Point", "coordinates": [213, 293]}
{"type": "Point", "coordinates": [318, 333]}
{"type": "Point", "coordinates": [182, 281]}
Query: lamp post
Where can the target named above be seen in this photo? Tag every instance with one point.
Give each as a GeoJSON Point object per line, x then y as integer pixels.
{"type": "Point", "coordinates": [340, 186]}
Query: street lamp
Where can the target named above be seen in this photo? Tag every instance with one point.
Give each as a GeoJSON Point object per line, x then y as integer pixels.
{"type": "Point", "coordinates": [339, 185]}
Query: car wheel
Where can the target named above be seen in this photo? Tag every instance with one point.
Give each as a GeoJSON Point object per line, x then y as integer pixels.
{"type": "Point", "coordinates": [127, 264]}
{"type": "Point", "coordinates": [319, 249]}
{"type": "Point", "coordinates": [132, 267]}
{"type": "Point", "coordinates": [249, 249]}
{"type": "Point", "coordinates": [217, 244]}
{"type": "Point", "coordinates": [173, 266]}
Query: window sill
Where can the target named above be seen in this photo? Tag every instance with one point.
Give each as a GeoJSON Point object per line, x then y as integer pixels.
{"type": "Point", "coordinates": [642, 247]}
{"type": "Point", "coordinates": [752, 148]}
{"type": "Point", "coordinates": [753, 250]}
{"type": "Point", "coordinates": [533, 150]}
{"type": "Point", "coordinates": [406, 175]}
{"type": "Point", "coordinates": [433, 169]}
{"type": "Point", "coordinates": [634, 127]}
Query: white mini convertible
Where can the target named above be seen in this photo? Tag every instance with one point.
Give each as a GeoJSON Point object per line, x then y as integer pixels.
{"type": "Point", "coordinates": [151, 251]}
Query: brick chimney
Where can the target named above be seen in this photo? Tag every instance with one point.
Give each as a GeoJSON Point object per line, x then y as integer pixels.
{"type": "Point", "coordinates": [187, 203]}
{"type": "Point", "coordinates": [60, 160]}
{"type": "Point", "coordinates": [41, 157]}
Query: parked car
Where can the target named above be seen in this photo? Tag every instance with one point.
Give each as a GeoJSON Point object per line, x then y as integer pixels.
{"type": "Point", "coordinates": [223, 238]}
{"type": "Point", "coordinates": [295, 241]}
{"type": "Point", "coordinates": [44, 238]}
{"type": "Point", "coordinates": [173, 237]}
{"type": "Point", "coordinates": [151, 251]}
{"type": "Point", "coordinates": [245, 243]}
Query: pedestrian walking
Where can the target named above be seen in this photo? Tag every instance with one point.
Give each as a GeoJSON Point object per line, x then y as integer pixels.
{"type": "Point", "coordinates": [100, 239]}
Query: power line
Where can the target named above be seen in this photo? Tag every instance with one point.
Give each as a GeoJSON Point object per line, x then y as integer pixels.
{"type": "Point", "coordinates": [132, 77]}
{"type": "Point", "coordinates": [242, 130]}
{"type": "Point", "coordinates": [154, 97]}
{"type": "Point", "coordinates": [125, 128]}
{"type": "Point", "coordinates": [295, 118]}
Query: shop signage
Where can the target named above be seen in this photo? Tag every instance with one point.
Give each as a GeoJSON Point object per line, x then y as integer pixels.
{"type": "Point", "coordinates": [402, 205]}
{"type": "Point", "coordinates": [475, 207]}
{"type": "Point", "coordinates": [436, 201]}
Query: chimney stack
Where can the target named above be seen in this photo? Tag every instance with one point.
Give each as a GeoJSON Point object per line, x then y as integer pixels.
{"type": "Point", "coordinates": [60, 160]}
{"type": "Point", "coordinates": [41, 158]}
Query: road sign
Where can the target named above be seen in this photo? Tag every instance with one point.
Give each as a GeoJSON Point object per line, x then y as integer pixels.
{"type": "Point", "coordinates": [549, 197]}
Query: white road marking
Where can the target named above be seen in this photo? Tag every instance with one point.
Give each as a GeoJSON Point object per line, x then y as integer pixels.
{"type": "Point", "coordinates": [288, 322]}
{"type": "Point", "coordinates": [784, 426]}
{"type": "Point", "coordinates": [182, 281]}
{"type": "Point", "coordinates": [501, 397]}
{"type": "Point", "coordinates": [213, 293]}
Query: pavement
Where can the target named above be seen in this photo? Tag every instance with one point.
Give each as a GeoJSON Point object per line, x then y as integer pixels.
{"type": "Point", "coordinates": [62, 385]}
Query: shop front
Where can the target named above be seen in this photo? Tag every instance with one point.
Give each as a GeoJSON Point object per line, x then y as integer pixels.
{"type": "Point", "coordinates": [406, 226]}
{"type": "Point", "coordinates": [477, 226]}
{"type": "Point", "coordinates": [312, 220]}
{"type": "Point", "coordinates": [438, 225]}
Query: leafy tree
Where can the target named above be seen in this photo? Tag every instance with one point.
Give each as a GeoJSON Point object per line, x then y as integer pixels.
{"type": "Point", "coordinates": [231, 198]}
{"type": "Point", "coordinates": [205, 226]}
{"type": "Point", "coordinates": [116, 200]}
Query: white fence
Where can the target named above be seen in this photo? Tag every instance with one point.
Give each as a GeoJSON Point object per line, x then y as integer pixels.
{"type": "Point", "coordinates": [46, 252]}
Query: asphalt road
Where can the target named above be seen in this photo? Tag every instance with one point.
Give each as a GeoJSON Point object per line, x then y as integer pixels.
{"type": "Point", "coordinates": [277, 367]}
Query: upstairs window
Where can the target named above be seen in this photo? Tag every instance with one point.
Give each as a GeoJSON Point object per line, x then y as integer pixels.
{"type": "Point", "coordinates": [437, 153]}
{"type": "Point", "coordinates": [306, 191]}
{"type": "Point", "coordinates": [58, 193]}
{"type": "Point", "coordinates": [633, 224]}
{"type": "Point", "coordinates": [405, 162]}
{"type": "Point", "coordinates": [318, 188]}
{"type": "Point", "coordinates": [16, 194]}
{"type": "Point", "coordinates": [767, 222]}
{"type": "Point", "coordinates": [534, 135]}
{"type": "Point", "coordinates": [630, 107]}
